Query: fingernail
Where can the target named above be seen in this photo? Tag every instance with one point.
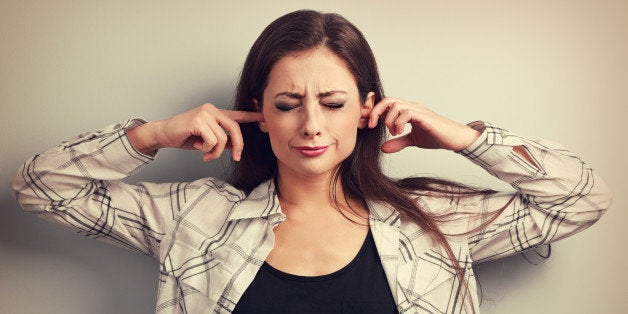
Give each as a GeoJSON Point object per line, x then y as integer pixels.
{"type": "Point", "coordinates": [237, 156]}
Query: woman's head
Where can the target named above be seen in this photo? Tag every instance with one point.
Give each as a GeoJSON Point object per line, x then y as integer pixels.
{"type": "Point", "coordinates": [289, 35]}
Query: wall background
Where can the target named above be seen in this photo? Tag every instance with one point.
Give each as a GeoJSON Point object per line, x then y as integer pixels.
{"type": "Point", "coordinates": [552, 69]}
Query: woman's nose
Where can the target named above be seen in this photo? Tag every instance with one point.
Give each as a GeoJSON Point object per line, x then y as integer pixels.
{"type": "Point", "coordinates": [312, 120]}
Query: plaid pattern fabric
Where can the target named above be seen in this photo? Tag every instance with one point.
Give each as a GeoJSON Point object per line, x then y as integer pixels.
{"type": "Point", "coordinates": [210, 238]}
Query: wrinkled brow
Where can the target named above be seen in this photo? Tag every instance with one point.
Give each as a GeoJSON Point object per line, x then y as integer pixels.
{"type": "Point", "coordinates": [301, 96]}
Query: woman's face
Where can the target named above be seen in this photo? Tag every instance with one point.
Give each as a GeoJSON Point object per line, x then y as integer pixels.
{"type": "Point", "coordinates": [311, 112]}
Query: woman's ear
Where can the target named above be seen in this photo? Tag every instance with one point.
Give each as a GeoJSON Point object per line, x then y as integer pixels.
{"type": "Point", "coordinates": [365, 110]}
{"type": "Point", "coordinates": [260, 124]}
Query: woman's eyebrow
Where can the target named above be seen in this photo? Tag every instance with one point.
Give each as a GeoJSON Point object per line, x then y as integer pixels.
{"type": "Point", "coordinates": [325, 94]}
{"type": "Point", "coordinates": [290, 95]}
{"type": "Point", "coordinates": [301, 96]}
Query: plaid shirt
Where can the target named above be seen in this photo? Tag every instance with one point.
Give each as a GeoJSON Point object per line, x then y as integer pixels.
{"type": "Point", "coordinates": [210, 238]}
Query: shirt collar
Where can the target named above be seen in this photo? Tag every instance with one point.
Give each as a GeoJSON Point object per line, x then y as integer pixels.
{"type": "Point", "coordinates": [262, 202]}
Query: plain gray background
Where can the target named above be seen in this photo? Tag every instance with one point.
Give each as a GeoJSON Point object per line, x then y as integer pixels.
{"type": "Point", "coordinates": [544, 69]}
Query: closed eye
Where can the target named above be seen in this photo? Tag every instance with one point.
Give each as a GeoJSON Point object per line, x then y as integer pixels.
{"type": "Point", "coordinates": [334, 105]}
{"type": "Point", "coordinates": [285, 107]}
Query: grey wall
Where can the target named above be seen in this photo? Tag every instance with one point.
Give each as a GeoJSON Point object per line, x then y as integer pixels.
{"type": "Point", "coordinates": [550, 69]}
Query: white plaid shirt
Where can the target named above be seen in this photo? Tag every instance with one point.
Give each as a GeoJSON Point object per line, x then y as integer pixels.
{"type": "Point", "coordinates": [210, 238]}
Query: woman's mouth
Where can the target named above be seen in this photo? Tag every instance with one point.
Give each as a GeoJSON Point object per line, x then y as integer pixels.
{"type": "Point", "coordinates": [312, 151]}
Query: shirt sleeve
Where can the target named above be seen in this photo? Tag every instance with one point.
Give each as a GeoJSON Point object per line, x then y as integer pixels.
{"type": "Point", "coordinates": [556, 196]}
{"type": "Point", "coordinates": [78, 185]}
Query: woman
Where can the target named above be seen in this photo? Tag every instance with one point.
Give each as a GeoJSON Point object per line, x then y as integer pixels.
{"type": "Point", "coordinates": [310, 224]}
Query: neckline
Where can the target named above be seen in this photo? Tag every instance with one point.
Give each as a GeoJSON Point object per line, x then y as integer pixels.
{"type": "Point", "coordinates": [345, 269]}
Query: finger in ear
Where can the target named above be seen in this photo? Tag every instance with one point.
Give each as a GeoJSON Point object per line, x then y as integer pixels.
{"type": "Point", "coordinates": [261, 124]}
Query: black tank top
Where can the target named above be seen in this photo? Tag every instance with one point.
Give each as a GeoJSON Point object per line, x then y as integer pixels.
{"type": "Point", "coordinates": [359, 287]}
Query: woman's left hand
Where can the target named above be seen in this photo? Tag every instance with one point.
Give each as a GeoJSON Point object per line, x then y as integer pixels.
{"type": "Point", "coordinates": [429, 129]}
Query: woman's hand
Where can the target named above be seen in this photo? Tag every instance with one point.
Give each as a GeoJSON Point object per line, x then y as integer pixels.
{"type": "Point", "coordinates": [429, 130]}
{"type": "Point", "coordinates": [205, 128]}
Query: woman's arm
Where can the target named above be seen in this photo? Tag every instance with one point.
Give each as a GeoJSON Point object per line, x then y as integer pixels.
{"type": "Point", "coordinates": [205, 128]}
{"type": "Point", "coordinates": [557, 193]}
{"type": "Point", "coordinates": [78, 183]}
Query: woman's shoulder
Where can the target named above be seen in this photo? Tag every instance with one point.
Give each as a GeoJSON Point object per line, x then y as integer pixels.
{"type": "Point", "coordinates": [221, 198]}
{"type": "Point", "coordinates": [215, 214]}
{"type": "Point", "coordinates": [214, 189]}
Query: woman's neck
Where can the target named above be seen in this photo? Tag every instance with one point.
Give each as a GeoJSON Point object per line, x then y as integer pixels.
{"type": "Point", "coordinates": [312, 195]}
{"type": "Point", "coordinates": [307, 191]}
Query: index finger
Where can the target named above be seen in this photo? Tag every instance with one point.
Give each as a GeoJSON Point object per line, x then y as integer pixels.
{"type": "Point", "coordinates": [244, 116]}
{"type": "Point", "coordinates": [378, 110]}
{"type": "Point", "coordinates": [231, 125]}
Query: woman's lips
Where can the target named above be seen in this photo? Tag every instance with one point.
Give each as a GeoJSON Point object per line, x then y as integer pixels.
{"type": "Point", "coordinates": [312, 151]}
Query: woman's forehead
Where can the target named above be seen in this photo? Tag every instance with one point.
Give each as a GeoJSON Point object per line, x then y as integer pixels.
{"type": "Point", "coordinates": [316, 71]}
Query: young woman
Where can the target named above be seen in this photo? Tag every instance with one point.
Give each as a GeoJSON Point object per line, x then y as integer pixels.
{"type": "Point", "coordinates": [309, 223]}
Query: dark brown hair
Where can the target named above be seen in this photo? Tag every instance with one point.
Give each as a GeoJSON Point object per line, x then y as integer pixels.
{"type": "Point", "coordinates": [361, 174]}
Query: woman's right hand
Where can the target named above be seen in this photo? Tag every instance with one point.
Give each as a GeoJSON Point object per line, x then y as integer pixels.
{"type": "Point", "coordinates": [205, 128]}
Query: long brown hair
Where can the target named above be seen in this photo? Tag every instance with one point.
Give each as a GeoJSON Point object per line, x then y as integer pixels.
{"type": "Point", "coordinates": [361, 174]}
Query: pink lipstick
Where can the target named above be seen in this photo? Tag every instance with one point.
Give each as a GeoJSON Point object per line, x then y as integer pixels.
{"type": "Point", "coordinates": [312, 151]}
